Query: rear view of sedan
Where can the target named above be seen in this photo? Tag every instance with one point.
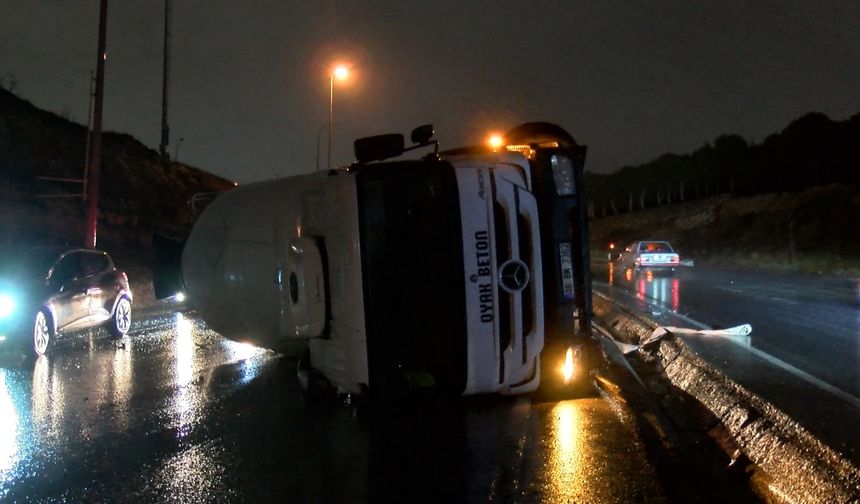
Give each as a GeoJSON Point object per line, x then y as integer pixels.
{"type": "Point", "coordinates": [44, 293]}
{"type": "Point", "coordinates": [650, 255]}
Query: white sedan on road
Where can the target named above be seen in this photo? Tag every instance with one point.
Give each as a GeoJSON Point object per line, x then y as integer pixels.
{"type": "Point", "coordinates": [649, 255]}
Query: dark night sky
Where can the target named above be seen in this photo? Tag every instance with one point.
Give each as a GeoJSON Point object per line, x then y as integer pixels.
{"type": "Point", "coordinates": [250, 79]}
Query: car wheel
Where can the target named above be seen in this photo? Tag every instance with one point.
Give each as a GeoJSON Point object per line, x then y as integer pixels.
{"type": "Point", "coordinates": [42, 333]}
{"type": "Point", "coordinates": [120, 323]}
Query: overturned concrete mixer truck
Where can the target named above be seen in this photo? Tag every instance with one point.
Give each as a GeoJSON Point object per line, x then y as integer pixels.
{"type": "Point", "coordinates": [448, 271]}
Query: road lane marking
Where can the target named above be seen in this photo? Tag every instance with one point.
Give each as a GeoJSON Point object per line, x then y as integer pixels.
{"type": "Point", "coordinates": [845, 396]}
{"type": "Point", "coordinates": [729, 289]}
{"type": "Point", "coordinates": [785, 366]}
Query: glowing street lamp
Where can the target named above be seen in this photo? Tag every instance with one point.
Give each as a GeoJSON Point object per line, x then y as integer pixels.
{"type": "Point", "coordinates": [339, 72]}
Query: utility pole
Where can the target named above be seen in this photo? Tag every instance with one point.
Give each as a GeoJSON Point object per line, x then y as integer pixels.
{"type": "Point", "coordinates": [89, 138]}
{"type": "Point", "coordinates": [94, 172]}
{"type": "Point", "coordinates": [165, 129]}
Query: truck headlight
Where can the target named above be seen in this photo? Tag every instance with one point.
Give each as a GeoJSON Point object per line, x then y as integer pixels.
{"type": "Point", "coordinates": [568, 366]}
{"type": "Point", "coordinates": [562, 173]}
{"type": "Point", "coordinates": [7, 305]}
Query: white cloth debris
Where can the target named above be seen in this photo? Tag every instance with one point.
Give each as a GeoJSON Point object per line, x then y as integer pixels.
{"type": "Point", "coordinates": [625, 348]}
{"type": "Point", "coordinates": [736, 331]}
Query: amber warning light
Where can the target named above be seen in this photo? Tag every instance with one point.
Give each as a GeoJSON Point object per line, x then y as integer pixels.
{"type": "Point", "coordinates": [495, 141]}
{"type": "Point", "coordinates": [567, 368]}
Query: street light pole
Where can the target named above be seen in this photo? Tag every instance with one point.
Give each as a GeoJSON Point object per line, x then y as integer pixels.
{"type": "Point", "coordinates": [319, 134]}
{"type": "Point", "coordinates": [330, 113]}
{"type": "Point", "coordinates": [176, 150]}
{"type": "Point", "coordinates": [340, 71]}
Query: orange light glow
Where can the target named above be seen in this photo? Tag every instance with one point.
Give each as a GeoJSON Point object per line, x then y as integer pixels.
{"type": "Point", "coordinates": [525, 150]}
{"type": "Point", "coordinates": [570, 454]}
{"type": "Point", "coordinates": [567, 369]}
{"type": "Point", "coordinates": [340, 72]}
{"type": "Point", "coordinates": [495, 141]}
{"type": "Point", "coordinates": [611, 246]}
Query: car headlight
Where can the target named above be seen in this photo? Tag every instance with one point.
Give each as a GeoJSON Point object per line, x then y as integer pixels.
{"type": "Point", "coordinates": [562, 173]}
{"type": "Point", "coordinates": [7, 305]}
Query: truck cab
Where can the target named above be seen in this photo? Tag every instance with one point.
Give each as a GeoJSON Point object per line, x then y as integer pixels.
{"type": "Point", "coordinates": [421, 272]}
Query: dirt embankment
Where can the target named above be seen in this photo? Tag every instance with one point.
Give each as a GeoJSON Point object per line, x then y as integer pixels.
{"type": "Point", "coordinates": [813, 231]}
{"type": "Point", "coordinates": [139, 193]}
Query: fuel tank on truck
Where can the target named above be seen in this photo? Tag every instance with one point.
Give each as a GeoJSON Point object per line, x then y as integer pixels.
{"type": "Point", "coordinates": [256, 268]}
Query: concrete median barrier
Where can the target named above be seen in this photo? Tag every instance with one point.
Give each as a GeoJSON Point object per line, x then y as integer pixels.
{"type": "Point", "coordinates": [784, 462]}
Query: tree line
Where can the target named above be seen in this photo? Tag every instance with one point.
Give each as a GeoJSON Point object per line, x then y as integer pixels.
{"type": "Point", "coordinates": [813, 150]}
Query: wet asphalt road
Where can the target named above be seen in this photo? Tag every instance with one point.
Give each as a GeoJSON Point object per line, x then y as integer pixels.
{"type": "Point", "coordinates": [179, 414]}
{"type": "Point", "coordinates": [803, 355]}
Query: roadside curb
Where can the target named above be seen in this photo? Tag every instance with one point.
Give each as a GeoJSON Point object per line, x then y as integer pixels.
{"type": "Point", "coordinates": [786, 461]}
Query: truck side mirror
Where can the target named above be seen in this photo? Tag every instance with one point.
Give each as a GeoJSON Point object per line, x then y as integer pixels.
{"type": "Point", "coordinates": [379, 147]}
{"type": "Point", "coordinates": [422, 134]}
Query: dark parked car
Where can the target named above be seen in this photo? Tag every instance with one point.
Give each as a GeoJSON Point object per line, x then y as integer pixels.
{"type": "Point", "coordinates": [44, 293]}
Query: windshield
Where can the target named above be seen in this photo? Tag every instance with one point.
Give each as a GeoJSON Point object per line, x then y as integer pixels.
{"type": "Point", "coordinates": [412, 263]}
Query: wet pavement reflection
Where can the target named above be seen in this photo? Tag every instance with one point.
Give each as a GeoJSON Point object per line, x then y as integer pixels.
{"type": "Point", "coordinates": [176, 413]}
{"type": "Point", "coordinates": [650, 285]}
{"type": "Point", "coordinates": [804, 348]}
{"type": "Point", "coordinates": [809, 322]}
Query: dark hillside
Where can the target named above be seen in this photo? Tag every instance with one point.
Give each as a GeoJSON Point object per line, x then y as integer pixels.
{"type": "Point", "coordinates": [138, 194]}
{"type": "Point", "coordinates": [791, 201]}
{"type": "Point", "coordinates": [811, 151]}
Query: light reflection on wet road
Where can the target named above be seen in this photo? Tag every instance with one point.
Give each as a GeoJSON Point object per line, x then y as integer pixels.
{"type": "Point", "coordinates": [179, 414]}
{"type": "Point", "coordinates": [88, 407]}
{"type": "Point", "coordinates": [804, 349]}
